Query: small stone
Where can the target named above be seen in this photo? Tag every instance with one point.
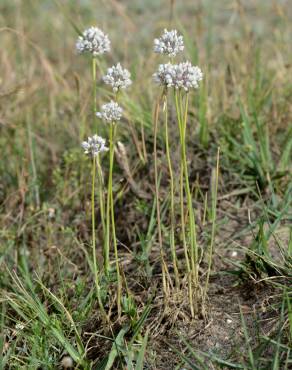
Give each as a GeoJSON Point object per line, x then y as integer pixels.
{"type": "Point", "coordinates": [67, 362]}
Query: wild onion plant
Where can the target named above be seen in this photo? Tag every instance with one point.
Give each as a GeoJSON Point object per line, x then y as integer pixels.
{"type": "Point", "coordinates": [118, 78]}
{"type": "Point", "coordinates": [95, 42]}
{"type": "Point", "coordinates": [111, 113]}
{"type": "Point", "coordinates": [93, 147]}
{"type": "Point", "coordinates": [180, 78]}
{"type": "Point", "coordinates": [169, 44]}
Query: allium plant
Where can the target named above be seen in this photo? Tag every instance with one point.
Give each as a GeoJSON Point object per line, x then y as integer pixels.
{"type": "Point", "coordinates": [164, 75]}
{"type": "Point", "coordinates": [93, 41]}
{"type": "Point", "coordinates": [93, 147]}
{"type": "Point", "coordinates": [180, 76]}
{"type": "Point", "coordinates": [110, 112]}
{"type": "Point", "coordinates": [181, 79]}
{"type": "Point", "coordinates": [118, 78]}
{"type": "Point", "coordinates": [169, 43]}
{"type": "Point", "coordinates": [186, 76]}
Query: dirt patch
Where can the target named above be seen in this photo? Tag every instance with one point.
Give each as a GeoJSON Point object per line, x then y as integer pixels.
{"type": "Point", "coordinates": [219, 334]}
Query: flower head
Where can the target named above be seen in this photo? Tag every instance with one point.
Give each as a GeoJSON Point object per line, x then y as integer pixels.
{"type": "Point", "coordinates": [186, 76]}
{"type": "Point", "coordinates": [19, 326]}
{"type": "Point", "coordinates": [93, 41]}
{"type": "Point", "coordinates": [110, 112]}
{"type": "Point", "coordinates": [117, 77]}
{"type": "Point", "coordinates": [94, 145]}
{"type": "Point", "coordinates": [169, 43]}
{"type": "Point", "coordinates": [164, 75]}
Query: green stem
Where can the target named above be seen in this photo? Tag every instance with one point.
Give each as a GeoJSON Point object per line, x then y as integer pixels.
{"type": "Point", "coordinates": [99, 172]}
{"type": "Point", "coordinates": [193, 236]}
{"type": "Point", "coordinates": [94, 84]}
{"type": "Point", "coordinates": [181, 188]}
{"type": "Point", "coordinates": [108, 205]}
{"type": "Point", "coordinates": [110, 195]}
{"type": "Point", "coordinates": [95, 63]}
{"type": "Point", "coordinates": [93, 215]}
{"type": "Point", "coordinates": [95, 267]}
{"type": "Point", "coordinates": [101, 196]}
{"type": "Point", "coordinates": [163, 264]}
{"type": "Point", "coordinates": [171, 178]}
{"type": "Point", "coordinates": [184, 176]}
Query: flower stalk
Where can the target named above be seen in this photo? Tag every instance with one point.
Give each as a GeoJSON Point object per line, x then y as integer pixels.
{"type": "Point", "coordinates": [99, 170]}
{"type": "Point", "coordinates": [192, 224]}
{"type": "Point", "coordinates": [181, 77]}
{"type": "Point", "coordinates": [158, 213]}
{"type": "Point", "coordinates": [118, 78]}
{"type": "Point", "coordinates": [95, 266]}
{"type": "Point", "coordinates": [180, 115]}
{"type": "Point", "coordinates": [110, 218]}
{"type": "Point", "coordinates": [171, 180]}
{"type": "Point", "coordinates": [93, 147]}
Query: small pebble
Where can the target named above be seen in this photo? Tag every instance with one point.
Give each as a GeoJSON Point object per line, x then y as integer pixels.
{"type": "Point", "coordinates": [67, 362]}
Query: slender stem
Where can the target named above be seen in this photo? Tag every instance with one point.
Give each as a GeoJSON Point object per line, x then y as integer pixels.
{"type": "Point", "coordinates": [171, 179]}
{"type": "Point", "coordinates": [96, 164]}
{"type": "Point", "coordinates": [108, 206]}
{"type": "Point", "coordinates": [101, 196]}
{"type": "Point", "coordinates": [95, 267]}
{"type": "Point", "coordinates": [181, 119]}
{"type": "Point", "coordinates": [110, 195]}
{"type": "Point", "coordinates": [181, 188]}
{"type": "Point", "coordinates": [93, 215]}
{"type": "Point", "coordinates": [94, 84]}
{"type": "Point", "coordinates": [192, 228]}
{"type": "Point", "coordinates": [100, 178]}
{"type": "Point", "coordinates": [163, 264]}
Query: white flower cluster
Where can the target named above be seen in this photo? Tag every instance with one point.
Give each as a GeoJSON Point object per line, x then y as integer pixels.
{"type": "Point", "coordinates": [94, 145]}
{"type": "Point", "coordinates": [164, 75]}
{"type": "Point", "coordinates": [180, 76]}
{"type": "Point", "coordinates": [169, 43]}
{"type": "Point", "coordinates": [93, 41]}
{"type": "Point", "coordinates": [186, 76]}
{"type": "Point", "coordinates": [117, 77]}
{"type": "Point", "coordinates": [110, 112]}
